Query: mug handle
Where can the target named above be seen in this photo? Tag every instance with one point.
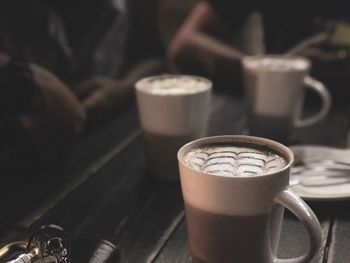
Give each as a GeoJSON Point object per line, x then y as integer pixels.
{"type": "Point", "coordinates": [303, 212]}
{"type": "Point", "coordinates": [326, 98]}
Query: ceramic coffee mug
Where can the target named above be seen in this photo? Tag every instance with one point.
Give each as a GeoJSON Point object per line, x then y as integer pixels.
{"type": "Point", "coordinates": [237, 217]}
{"type": "Point", "coordinates": [173, 110]}
{"type": "Point", "coordinates": [274, 87]}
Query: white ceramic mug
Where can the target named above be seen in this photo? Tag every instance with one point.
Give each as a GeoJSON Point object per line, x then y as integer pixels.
{"type": "Point", "coordinates": [274, 87]}
{"type": "Point", "coordinates": [171, 119]}
{"type": "Point", "coordinates": [238, 219]}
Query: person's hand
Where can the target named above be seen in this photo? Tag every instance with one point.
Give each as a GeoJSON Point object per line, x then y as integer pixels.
{"type": "Point", "coordinates": [57, 103]}
{"type": "Point", "coordinates": [100, 94]}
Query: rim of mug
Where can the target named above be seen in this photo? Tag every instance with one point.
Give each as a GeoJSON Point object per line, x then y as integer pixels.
{"type": "Point", "coordinates": [140, 84]}
{"type": "Point", "coordinates": [263, 142]}
{"type": "Point", "coordinates": [246, 61]}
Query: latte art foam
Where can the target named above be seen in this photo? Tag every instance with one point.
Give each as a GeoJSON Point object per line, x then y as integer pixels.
{"type": "Point", "coordinates": [175, 84]}
{"type": "Point", "coordinates": [234, 161]}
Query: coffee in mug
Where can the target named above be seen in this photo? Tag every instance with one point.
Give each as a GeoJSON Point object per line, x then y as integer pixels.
{"type": "Point", "coordinates": [234, 188]}
{"type": "Point", "coordinates": [274, 89]}
{"type": "Point", "coordinates": [173, 110]}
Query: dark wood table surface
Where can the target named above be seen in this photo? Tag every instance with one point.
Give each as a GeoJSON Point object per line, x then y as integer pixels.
{"type": "Point", "coordinates": [108, 193]}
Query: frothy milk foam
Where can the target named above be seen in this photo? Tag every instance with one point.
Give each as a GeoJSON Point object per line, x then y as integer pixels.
{"type": "Point", "coordinates": [175, 85]}
{"type": "Point", "coordinates": [232, 160]}
{"type": "Point", "coordinates": [278, 64]}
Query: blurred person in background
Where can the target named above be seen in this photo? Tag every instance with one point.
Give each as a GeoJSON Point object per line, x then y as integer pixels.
{"type": "Point", "coordinates": [61, 64]}
{"type": "Point", "coordinates": [218, 33]}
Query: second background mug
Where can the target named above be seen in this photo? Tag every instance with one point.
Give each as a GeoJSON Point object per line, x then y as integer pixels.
{"type": "Point", "coordinates": [173, 110]}
{"type": "Point", "coordinates": [274, 88]}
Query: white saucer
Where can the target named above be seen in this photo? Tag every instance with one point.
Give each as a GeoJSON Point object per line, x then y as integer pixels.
{"type": "Point", "coordinates": [322, 193]}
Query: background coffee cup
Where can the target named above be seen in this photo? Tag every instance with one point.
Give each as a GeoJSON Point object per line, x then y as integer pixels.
{"type": "Point", "coordinates": [238, 219]}
{"type": "Point", "coordinates": [171, 119]}
{"type": "Point", "coordinates": [274, 87]}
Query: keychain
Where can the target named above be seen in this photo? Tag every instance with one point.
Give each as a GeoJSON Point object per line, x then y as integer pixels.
{"type": "Point", "coordinates": [51, 244]}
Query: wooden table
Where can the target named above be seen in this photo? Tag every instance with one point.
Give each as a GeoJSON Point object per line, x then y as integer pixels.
{"type": "Point", "coordinates": [108, 193]}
